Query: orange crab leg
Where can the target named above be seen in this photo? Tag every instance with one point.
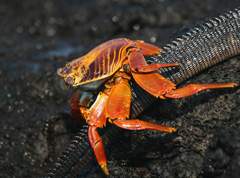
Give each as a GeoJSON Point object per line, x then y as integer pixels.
{"type": "Point", "coordinates": [118, 105]}
{"type": "Point", "coordinates": [158, 86]}
{"type": "Point", "coordinates": [74, 100]}
{"type": "Point", "coordinates": [138, 64]}
{"type": "Point", "coordinates": [153, 67]}
{"type": "Point", "coordinates": [136, 124]}
{"type": "Point", "coordinates": [118, 108]}
{"type": "Point", "coordinates": [154, 83]}
{"type": "Point", "coordinates": [147, 49]}
{"type": "Point", "coordinates": [191, 89]}
{"type": "Point", "coordinates": [96, 118]}
{"type": "Point", "coordinates": [98, 148]}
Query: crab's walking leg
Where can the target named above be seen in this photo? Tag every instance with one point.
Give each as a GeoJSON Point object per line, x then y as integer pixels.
{"type": "Point", "coordinates": [147, 49]}
{"type": "Point", "coordinates": [98, 148]}
{"type": "Point", "coordinates": [153, 67]}
{"type": "Point", "coordinates": [158, 86]}
{"type": "Point", "coordinates": [96, 118]}
{"type": "Point", "coordinates": [74, 105]}
{"type": "Point", "coordinates": [191, 89]}
{"type": "Point", "coordinates": [138, 64]}
{"type": "Point", "coordinates": [118, 109]}
{"type": "Point", "coordinates": [136, 124]}
{"type": "Point", "coordinates": [154, 83]}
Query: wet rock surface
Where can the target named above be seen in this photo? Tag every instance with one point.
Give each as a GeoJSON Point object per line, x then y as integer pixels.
{"type": "Point", "coordinates": [37, 37]}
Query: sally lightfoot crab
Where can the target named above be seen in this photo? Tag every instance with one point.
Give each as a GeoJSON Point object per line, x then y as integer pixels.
{"type": "Point", "coordinates": [114, 63]}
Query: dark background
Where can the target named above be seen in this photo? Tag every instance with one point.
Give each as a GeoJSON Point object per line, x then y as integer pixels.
{"type": "Point", "coordinates": [37, 37]}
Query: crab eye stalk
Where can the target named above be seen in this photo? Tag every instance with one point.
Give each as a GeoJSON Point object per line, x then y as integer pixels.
{"type": "Point", "coordinates": [64, 71]}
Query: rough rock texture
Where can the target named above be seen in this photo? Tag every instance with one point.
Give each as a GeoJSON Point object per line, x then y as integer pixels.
{"type": "Point", "coordinates": [39, 36]}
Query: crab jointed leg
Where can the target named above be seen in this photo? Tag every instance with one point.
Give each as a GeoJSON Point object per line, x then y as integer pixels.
{"type": "Point", "coordinates": [136, 124]}
{"type": "Point", "coordinates": [74, 105]}
{"type": "Point", "coordinates": [138, 64]}
{"type": "Point", "coordinates": [118, 108]}
{"type": "Point", "coordinates": [158, 86]}
{"type": "Point", "coordinates": [95, 118]}
{"type": "Point", "coordinates": [191, 89]}
{"type": "Point", "coordinates": [147, 49]}
{"type": "Point", "coordinates": [98, 148]}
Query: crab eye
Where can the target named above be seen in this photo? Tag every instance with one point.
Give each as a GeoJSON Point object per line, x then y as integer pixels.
{"type": "Point", "coordinates": [66, 69]}
{"type": "Point", "coordinates": [69, 80]}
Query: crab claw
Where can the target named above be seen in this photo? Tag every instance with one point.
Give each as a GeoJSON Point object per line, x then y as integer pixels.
{"type": "Point", "coordinates": [118, 105]}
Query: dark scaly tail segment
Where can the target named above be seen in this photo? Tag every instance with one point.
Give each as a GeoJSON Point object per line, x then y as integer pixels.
{"type": "Point", "coordinates": [78, 159]}
{"type": "Point", "coordinates": [202, 47]}
{"type": "Point", "coordinates": [75, 150]}
{"type": "Point", "coordinates": [205, 45]}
